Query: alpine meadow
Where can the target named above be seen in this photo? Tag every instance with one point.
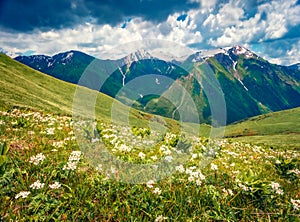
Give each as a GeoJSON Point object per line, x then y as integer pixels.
{"type": "Point", "coordinates": [150, 110]}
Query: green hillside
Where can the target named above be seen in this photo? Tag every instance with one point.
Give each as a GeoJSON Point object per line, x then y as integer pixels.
{"type": "Point", "coordinates": [281, 128]}
{"type": "Point", "coordinates": [24, 87]}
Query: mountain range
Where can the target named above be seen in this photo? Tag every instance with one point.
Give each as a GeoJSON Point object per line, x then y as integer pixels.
{"type": "Point", "coordinates": [250, 84]}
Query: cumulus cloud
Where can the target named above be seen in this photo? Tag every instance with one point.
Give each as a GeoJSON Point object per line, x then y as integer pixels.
{"type": "Point", "coordinates": [95, 28]}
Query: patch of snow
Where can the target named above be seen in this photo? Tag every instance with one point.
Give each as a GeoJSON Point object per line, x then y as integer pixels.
{"type": "Point", "coordinates": [239, 50]}
{"type": "Point", "coordinates": [243, 85]}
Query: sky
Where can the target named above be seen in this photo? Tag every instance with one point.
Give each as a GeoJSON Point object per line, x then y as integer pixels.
{"type": "Point", "coordinates": [270, 28]}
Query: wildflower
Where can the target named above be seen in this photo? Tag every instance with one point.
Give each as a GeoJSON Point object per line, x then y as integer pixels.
{"type": "Point", "coordinates": [55, 185]}
{"type": "Point", "coordinates": [99, 167]}
{"type": "Point", "coordinates": [75, 156]}
{"type": "Point", "coordinates": [124, 148]}
{"type": "Point", "coordinates": [58, 144]}
{"type": "Point", "coordinates": [22, 194]}
{"type": "Point", "coordinates": [295, 171]}
{"type": "Point", "coordinates": [194, 155]}
{"type": "Point", "coordinates": [179, 168]}
{"type": "Point", "coordinates": [198, 182]}
{"type": "Point", "coordinates": [150, 183]}
{"type": "Point", "coordinates": [279, 191]}
{"type": "Point", "coordinates": [37, 159]}
{"type": "Point", "coordinates": [73, 161]}
{"type": "Point", "coordinates": [160, 218]}
{"type": "Point", "coordinates": [142, 155]}
{"type": "Point", "coordinates": [227, 192]}
{"type": "Point", "coordinates": [191, 178]}
{"type": "Point", "coordinates": [154, 157]}
{"type": "Point", "coordinates": [167, 152]}
{"type": "Point", "coordinates": [274, 185]}
{"type": "Point", "coordinates": [94, 140]}
{"type": "Point", "coordinates": [169, 158]}
{"type": "Point", "coordinates": [296, 204]}
{"type": "Point", "coordinates": [157, 191]}
{"type": "Point", "coordinates": [37, 185]}
{"type": "Point", "coordinates": [243, 187]}
{"type": "Point", "coordinates": [214, 167]}
{"type": "Point", "coordinates": [50, 131]}
{"type": "Point", "coordinates": [230, 192]}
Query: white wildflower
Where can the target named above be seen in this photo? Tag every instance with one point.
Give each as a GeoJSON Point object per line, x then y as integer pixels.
{"type": "Point", "coordinates": [296, 204]}
{"type": "Point", "coordinates": [22, 194]}
{"type": "Point", "coordinates": [50, 131]}
{"type": "Point", "coordinates": [160, 218]}
{"type": "Point", "coordinates": [142, 155]}
{"type": "Point", "coordinates": [245, 188]}
{"type": "Point", "coordinates": [154, 158]}
{"type": "Point", "coordinates": [124, 148]}
{"type": "Point", "coordinates": [73, 160]}
{"type": "Point", "coordinates": [194, 155]}
{"type": "Point", "coordinates": [198, 182]}
{"type": "Point", "coordinates": [55, 185]}
{"type": "Point", "coordinates": [230, 192]}
{"type": "Point", "coordinates": [99, 167]}
{"type": "Point", "coordinates": [179, 168]}
{"type": "Point", "coordinates": [279, 191]}
{"type": "Point", "coordinates": [70, 166]}
{"type": "Point", "coordinates": [150, 183]}
{"type": "Point", "coordinates": [169, 158]}
{"type": "Point", "coordinates": [37, 185]}
{"type": "Point", "coordinates": [157, 191]}
{"type": "Point", "coordinates": [37, 159]}
{"type": "Point", "coordinates": [275, 186]}
{"type": "Point", "coordinates": [58, 144]}
{"type": "Point", "coordinates": [94, 140]}
{"type": "Point", "coordinates": [213, 167]}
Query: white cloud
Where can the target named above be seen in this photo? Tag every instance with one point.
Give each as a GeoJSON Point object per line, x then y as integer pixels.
{"type": "Point", "coordinates": [205, 3]}
{"type": "Point", "coordinates": [230, 14]}
{"type": "Point", "coordinates": [224, 27]}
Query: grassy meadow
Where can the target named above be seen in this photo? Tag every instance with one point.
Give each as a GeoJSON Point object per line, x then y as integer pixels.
{"type": "Point", "coordinates": [251, 175]}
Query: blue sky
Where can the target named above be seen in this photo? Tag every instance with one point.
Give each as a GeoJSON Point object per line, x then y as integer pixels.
{"type": "Point", "coordinates": [269, 28]}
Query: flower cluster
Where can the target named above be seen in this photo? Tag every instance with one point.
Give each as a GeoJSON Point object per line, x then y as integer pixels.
{"type": "Point", "coordinates": [296, 204]}
{"type": "Point", "coordinates": [55, 185]}
{"type": "Point", "coordinates": [73, 161]}
{"type": "Point", "coordinates": [276, 188]}
{"type": "Point", "coordinates": [22, 194]}
{"type": "Point", "coordinates": [37, 185]}
{"type": "Point", "coordinates": [37, 159]}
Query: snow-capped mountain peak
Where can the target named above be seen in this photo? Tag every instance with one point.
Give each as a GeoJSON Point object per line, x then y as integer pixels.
{"type": "Point", "coordinates": [239, 50]}
{"type": "Point", "coordinates": [138, 55]}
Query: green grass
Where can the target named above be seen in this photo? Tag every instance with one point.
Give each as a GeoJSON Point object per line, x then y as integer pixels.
{"type": "Point", "coordinates": [234, 182]}
{"type": "Point", "coordinates": [278, 128]}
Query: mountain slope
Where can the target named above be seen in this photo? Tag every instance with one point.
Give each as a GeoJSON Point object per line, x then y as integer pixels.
{"type": "Point", "coordinates": [251, 85]}
{"type": "Point", "coordinates": [25, 87]}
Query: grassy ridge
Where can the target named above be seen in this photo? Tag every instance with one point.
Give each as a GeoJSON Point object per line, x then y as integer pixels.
{"type": "Point", "coordinates": [281, 128]}
{"type": "Point", "coordinates": [24, 87]}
